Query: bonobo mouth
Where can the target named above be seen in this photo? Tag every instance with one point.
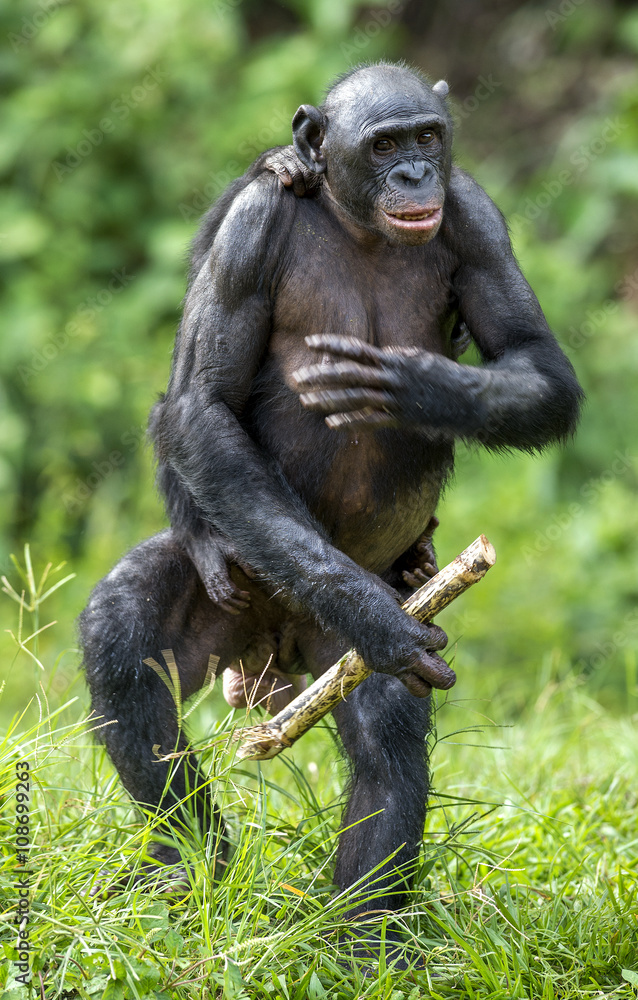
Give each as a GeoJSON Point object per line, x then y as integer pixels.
{"type": "Point", "coordinates": [420, 219]}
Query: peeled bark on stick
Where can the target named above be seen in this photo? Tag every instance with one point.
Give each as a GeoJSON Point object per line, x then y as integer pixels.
{"type": "Point", "coordinates": [270, 738]}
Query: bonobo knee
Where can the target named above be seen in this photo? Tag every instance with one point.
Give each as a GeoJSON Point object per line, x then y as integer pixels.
{"type": "Point", "coordinates": [381, 721]}
{"type": "Point", "coordinates": [126, 619]}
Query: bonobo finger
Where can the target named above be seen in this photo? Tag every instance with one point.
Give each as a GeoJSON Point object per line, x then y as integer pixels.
{"type": "Point", "coordinates": [278, 164]}
{"type": "Point", "coordinates": [248, 571]}
{"type": "Point", "coordinates": [425, 572]}
{"type": "Point", "coordinates": [426, 557]}
{"type": "Point", "coordinates": [234, 603]}
{"type": "Point", "coordinates": [343, 400]}
{"type": "Point", "coordinates": [435, 637]}
{"type": "Point", "coordinates": [298, 184]}
{"type": "Point", "coordinates": [417, 686]}
{"type": "Point", "coordinates": [348, 347]}
{"type": "Point", "coordinates": [343, 374]}
{"type": "Point", "coordinates": [228, 608]}
{"type": "Point", "coordinates": [360, 350]}
{"type": "Point", "coordinates": [232, 607]}
{"type": "Point", "coordinates": [367, 418]}
{"type": "Point", "coordinates": [433, 669]}
{"type": "Point", "coordinates": [419, 576]}
{"type": "Point", "coordinates": [240, 599]}
{"type": "Point", "coordinates": [285, 177]}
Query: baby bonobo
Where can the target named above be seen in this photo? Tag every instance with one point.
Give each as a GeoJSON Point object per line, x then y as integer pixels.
{"type": "Point", "coordinates": [303, 441]}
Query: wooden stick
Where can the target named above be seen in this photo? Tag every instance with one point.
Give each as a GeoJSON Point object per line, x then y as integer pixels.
{"type": "Point", "coordinates": [270, 738]}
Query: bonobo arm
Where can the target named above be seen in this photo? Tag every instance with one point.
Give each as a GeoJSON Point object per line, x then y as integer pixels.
{"type": "Point", "coordinates": [239, 487]}
{"type": "Point", "coordinates": [279, 160]}
{"type": "Point", "coordinates": [524, 396]}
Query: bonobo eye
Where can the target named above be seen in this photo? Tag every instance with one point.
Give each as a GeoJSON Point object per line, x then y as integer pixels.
{"type": "Point", "coordinates": [425, 138]}
{"type": "Point", "coordinates": [383, 146]}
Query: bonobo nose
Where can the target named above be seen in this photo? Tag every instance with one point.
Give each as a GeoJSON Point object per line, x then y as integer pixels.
{"type": "Point", "coordinates": [409, 172]}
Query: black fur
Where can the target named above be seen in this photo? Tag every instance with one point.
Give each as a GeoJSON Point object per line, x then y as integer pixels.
{"type": "Point", "coordinates": [320, 464]}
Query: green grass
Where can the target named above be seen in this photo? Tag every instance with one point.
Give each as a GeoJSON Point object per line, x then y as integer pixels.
{"type": "Point", "coordinates": [527, 886]}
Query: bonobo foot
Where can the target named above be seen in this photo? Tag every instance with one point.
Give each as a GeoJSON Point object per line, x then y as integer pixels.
{"type": "Point", "coordinates": [272, 688]}
{"type": "Point", "coordinates": [420, 559]}
{"type": "Point", "coordinates": [365, 945]}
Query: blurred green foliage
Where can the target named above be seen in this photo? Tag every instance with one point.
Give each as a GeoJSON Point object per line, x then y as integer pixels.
{"type": "Point", "coordinates": [123, 120]}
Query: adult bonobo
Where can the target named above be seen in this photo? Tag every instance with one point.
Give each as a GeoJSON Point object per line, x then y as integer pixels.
{"type": "Point", "coordinates": [306, 432]}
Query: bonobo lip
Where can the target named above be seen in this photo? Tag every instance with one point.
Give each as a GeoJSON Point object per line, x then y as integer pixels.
{"type": "Point", "coordinates": [422, 218]}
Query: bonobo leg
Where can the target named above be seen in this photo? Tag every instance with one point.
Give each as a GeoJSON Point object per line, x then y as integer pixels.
{"type": "Point", "coordinates": [152, 601]}
{"type": "Point", "coordinates": [383, 729]}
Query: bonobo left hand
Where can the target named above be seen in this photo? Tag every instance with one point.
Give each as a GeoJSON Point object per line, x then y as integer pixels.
{"type": "Point", "coordinates": [389, 387]}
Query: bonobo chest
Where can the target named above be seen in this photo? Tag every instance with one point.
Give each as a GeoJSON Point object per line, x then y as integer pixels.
{"type": "Point", "coordinates": [375, 490]}
{"type": "Point", "coordinates": [385, 294]}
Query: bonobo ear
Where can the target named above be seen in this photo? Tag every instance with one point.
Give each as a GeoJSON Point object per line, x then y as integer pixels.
{"type": "Point", "coordinates": [441, 88]}
{"type": "Point", "coordinates": [308, 127]}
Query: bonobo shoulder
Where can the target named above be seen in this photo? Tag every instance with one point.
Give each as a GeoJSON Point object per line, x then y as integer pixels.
{"type": "Point", "coordinates": [252, 235]}
{"type": "Point", "coordinates": [475, 224]}
{"type": "Point", "coordinates": [259, 216]}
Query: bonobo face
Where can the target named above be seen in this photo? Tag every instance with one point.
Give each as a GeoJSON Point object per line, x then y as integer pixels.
{"type": "Point", "coordinates": [383, 139]}
{"type": "Point", "coordinates": [391, 178]}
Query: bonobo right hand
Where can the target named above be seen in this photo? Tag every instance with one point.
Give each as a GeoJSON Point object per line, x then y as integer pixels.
{"type": "Point", "coordinates": [291, 171]}
{"type": "Point", "coordinates": [415, 663]}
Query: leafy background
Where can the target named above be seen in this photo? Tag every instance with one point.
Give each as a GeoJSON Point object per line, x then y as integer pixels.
{"type": "Point", "coordinates": [123, 120]}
